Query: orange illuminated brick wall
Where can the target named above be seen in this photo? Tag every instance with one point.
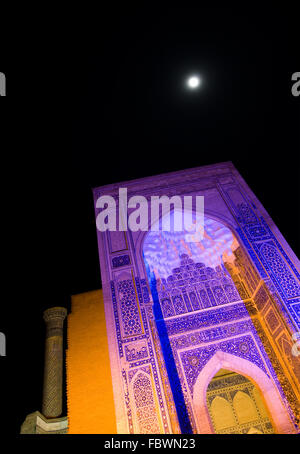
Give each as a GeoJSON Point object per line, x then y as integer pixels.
{"type": "Point", "coordinates": [89, 385]}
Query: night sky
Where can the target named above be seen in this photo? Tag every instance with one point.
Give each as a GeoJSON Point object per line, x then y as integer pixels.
{"type": "Point", "coordinates": [102, 100]}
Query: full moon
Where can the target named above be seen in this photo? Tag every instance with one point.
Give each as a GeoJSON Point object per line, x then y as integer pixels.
{"type": "Point", "coordinates": [193, 82]}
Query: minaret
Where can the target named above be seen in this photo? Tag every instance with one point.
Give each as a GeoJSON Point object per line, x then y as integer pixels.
{"type": "Point", "coordinates": [53, 371]}
{"type": "Point", "coordinates": [50, 420]}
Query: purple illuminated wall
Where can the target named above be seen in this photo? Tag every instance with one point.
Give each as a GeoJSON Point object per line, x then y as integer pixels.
{"type": "Point", "coordinates": [177, 312]}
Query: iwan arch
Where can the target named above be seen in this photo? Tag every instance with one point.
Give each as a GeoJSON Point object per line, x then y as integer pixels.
{"type": "Point", "coordinates": [192, 328]}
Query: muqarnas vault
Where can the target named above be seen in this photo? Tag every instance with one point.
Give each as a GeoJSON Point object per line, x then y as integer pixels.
{"type": "Point", "coordinates": [201, 337]}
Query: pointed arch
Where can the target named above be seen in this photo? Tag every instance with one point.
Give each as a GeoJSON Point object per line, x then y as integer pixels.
{"type": "Point", "coordinates": [244, 407]}
{"type": "Point", "coordinates": [143, 404]}
{"type": "Point", "coordinates": [209, 214]}
{"type": "Point", "coordinates": [222, 360]}
{"type": "Point", "coordinates": [221, 406]}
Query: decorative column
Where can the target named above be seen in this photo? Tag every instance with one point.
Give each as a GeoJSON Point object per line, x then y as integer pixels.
{"type": "Point", "coordinates": [53, 372]}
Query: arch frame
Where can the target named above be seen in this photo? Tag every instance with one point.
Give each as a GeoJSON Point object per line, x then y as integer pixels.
{"type": "Point", "coordinates": [223, 360]}
{"type": "Point", "coordinates": [282, 421]}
